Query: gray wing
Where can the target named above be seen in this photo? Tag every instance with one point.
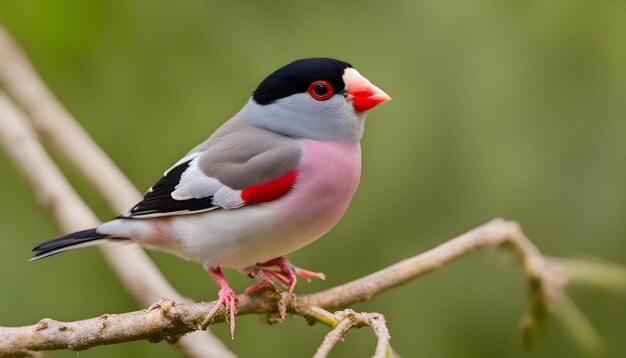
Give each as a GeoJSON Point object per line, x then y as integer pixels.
{"type": "Point", "coordinates": [214, 174]}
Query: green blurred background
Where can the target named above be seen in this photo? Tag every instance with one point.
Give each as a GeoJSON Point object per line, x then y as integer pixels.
{"type": "Point", "coordinates": [501, 108]}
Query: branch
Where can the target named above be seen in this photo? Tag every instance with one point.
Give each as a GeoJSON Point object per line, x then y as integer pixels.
{"type": "Point", "coordinates": [497, 232]}
{"type": "Point", "coordinates": [546, 277]}
{"type": "Point", "coordinates": [168, 319]}
{"type": "Point", "coordinates": [131, 264]}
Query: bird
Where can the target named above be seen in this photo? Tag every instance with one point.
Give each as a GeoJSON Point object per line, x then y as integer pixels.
{"type": "Point", "coordinates": [272, 179]}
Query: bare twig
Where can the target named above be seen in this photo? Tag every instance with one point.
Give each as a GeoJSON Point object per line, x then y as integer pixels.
{"type": "Point", "coordinates": [164, 322]}
{"type": "Point", "coordinates": [349, 319]}
{"type": "Point", "coordinates": [333, 337]}
{"type": "Point", "coordinates": [141, 278]}
{"type": "Point", "coordinates": [136, 271]}
{"type": "Point", "coordinates": [495, 233]}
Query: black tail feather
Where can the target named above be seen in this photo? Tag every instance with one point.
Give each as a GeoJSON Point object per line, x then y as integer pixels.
{"type": "Point", "coordinates": [66, 242]}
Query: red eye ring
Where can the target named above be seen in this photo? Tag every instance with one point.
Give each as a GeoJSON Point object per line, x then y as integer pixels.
{"type": "Point", "coordinates": [321, 90]}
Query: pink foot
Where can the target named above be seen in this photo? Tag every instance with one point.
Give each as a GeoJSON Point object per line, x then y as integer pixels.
{"type": "Point", "coordinates": [264, 276]}
{"type": "Point", "coordinates": [226, 298]}
{"type": "Point", "coordinates": [286, 274]}
{"type": "Point", "coordinates": [309, 274]}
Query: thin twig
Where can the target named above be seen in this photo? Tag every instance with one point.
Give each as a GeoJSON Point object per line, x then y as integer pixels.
{"type": "Point", "coordinates": [141, 278]}
{"type": "Point", "coordinates": [333, 337]}
{"type": "Point", "coordinates": [349, 319]}
{"type": "Point", "coordinates": [495, 233]}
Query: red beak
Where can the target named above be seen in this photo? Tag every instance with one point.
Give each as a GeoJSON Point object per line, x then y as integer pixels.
{"type": "Point", "coordinates": [363, 94]}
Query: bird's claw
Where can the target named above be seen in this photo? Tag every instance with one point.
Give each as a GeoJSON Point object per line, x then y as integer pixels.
{"type": "Point", "coordinates": [265, 278]}
{"type": "Point", "coordinates": [226, 298]}
{"type": "Point", "coordinates": [286, 274]}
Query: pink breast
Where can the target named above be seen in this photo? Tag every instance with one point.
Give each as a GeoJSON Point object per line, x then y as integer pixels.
{"type": "Point", "coordinates": [329, 176]}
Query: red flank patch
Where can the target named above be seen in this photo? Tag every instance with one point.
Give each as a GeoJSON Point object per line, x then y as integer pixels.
{"type": "Point", "coordinates": [269, 190]}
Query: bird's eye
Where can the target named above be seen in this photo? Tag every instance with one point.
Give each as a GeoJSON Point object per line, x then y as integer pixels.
{"type": "Point", "coordinates": [321, 90]}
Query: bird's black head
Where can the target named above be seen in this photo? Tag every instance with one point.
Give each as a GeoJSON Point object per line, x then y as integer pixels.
{"type": "Point", "coordinates": [298, 76]}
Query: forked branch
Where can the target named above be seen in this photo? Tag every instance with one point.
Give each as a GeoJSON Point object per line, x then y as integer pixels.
{"type": "Point", "coordinates": [349, 319]}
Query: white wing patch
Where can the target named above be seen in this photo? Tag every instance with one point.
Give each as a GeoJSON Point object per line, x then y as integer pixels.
{"type": "Point", "coordinates": [228, 198]}
{"type": "Point", "coordinates": [194, 184]}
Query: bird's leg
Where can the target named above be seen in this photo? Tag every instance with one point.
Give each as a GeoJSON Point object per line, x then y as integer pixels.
{"type": "Point", "coordinates": [286, 275]}
{"type": "Point", "coordinates": [226, 297]}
